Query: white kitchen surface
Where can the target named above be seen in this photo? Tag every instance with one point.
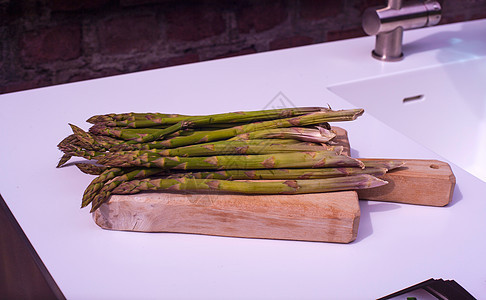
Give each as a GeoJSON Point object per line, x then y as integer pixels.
{"type": "Point", "coordinates": [398, 245]}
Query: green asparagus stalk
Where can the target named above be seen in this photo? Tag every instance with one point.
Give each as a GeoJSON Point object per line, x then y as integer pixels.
{"type": "Point", "coordinates": [104, 192]}
{"type": "Point", "coordinates": [303, 120]}
{"type": "Point", "coordinates": [127, 146]}
{"type": "Point", "coordinates": [388, 164]}
{"type": "Point", "coordinates": [315, 135]}
{"type": "Point", "coordinates": [95, 186]}
{"type": "Point", "coordinates": [226, 118]}
{"type": "Point", "coordinates": [67, 145]}
{"type": "Point", "coordinates": [85, 138]}
{"type": "Point", "coordinates": [272, 174]}
{"type": "Point", "coordinates": [302, 175]}
{"type": "Point", "coordinates": [88, 154]}
{"type": "Point", "coordinates": [82, 141]}
{"type": "Point", "coordinates": [108, 143]}
{"type": "Point", "coordinates": [102, 119]}
{"type": "Point", "coordinates": [251, 187]}
{"type": "Point", "coordinates": [119, 132]}
{"type": "Point", "coordinates": [156, 145]}
{"type": "Point", "coordinates": [97, 183]}
{"type": "Point", "coordinates": [91, 169]}
{"type": "Point", "coordinates": [64, 159]}
{"type": "Point", "coordinates": [127, 134]}
{"type": "Point", "coordinates": [219, 151]}
{"type": "Point", "coordinates": [233, 147]}
{"type": "Point", "coordinates": [217, 162]}
{"type": "Point", "coordinates": [220, 118]}
{"type": "Point", "coordinates": [68, 141]}
{"type": "Point", "coordinates": [88, 141]}
{"type": "Point", "coordinates": [232, 117]}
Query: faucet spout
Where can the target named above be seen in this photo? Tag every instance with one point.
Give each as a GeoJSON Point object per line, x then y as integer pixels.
{"type": "Point", "coordinates": [388, 24]}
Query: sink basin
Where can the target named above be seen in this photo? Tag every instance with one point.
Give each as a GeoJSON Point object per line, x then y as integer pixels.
{"type": "Point", "coordinates": [442, 107]}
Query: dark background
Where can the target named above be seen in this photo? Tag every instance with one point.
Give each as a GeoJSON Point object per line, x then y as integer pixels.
{"type": "Point", "coordinates": [47, 42]}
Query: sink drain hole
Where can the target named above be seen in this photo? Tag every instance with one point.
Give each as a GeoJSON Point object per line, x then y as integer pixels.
{"type": "Point", "coordinates": [413, 98]}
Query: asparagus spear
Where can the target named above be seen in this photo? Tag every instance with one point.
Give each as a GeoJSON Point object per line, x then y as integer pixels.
{"type": "Point", "coordinates": [251, 187]}
{"type": "Point", "coordinates": [217, 162]}
{"type": "Point", "coordinates": [303, 120]}
{"type": "Point", "coordinates": [88, 154]}
{"type": "Point", "coordinates": [84, 141]}
{"type": "Point", "coordinates": [315, 135]}
{"type": "Point", "coordinates": [230, 147]}
{"type": "Point", "coordinates": [100, 119]}
{"type": "Point", "coordinates": [272, 174]}
{"type": "Point", "coordinates": [219, 118]}
{"type": "Point", "coordinates": [203, 149]}
{"type": "Point", "coordinates": [97, 183]}
{"type": "Point", "coordinates": [227, 118]}
{"type": "Point", "coordinates": [64, 159]}
{"type": "Point", "coordinates": [232, 117]}
{"type": "Point", "coordinates": [85, 138]}
{"type": "Point", "coordinates": [119, 132]}
{"type": "Point", "coordinates": [388, 164]}
{"type": "Point", "coordinates": [91, 169]}
{"type": "Point", "coordinates": [67, 141]}
{"type": "Point", "coordinates": [105, 191]}
{"type": "Point", "coordinates": [157, 145]}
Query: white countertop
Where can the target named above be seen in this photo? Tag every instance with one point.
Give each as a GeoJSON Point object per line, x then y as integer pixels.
{"type": "Point", "coordinates": [397, 246]}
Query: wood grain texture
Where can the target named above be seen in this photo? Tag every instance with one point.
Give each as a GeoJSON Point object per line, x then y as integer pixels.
{"type": "Point", "coordinates": [324, 217]}
{"type": "Point", "coordinates": [423, 182]}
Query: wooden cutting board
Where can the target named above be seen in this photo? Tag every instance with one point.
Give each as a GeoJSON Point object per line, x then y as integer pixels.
{"type": "Point", "coordinates": [323, 217]}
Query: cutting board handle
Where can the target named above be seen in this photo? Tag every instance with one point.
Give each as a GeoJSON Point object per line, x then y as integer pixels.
{"type": "Point", "coordinates": [420, 181]}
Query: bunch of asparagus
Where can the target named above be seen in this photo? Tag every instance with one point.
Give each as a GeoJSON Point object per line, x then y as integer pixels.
{"type": "Point", "coordinates": [278, 151]}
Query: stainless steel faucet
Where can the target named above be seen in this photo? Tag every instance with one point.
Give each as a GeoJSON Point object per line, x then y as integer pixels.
{"type": "Point", "coordinates": [388, 24]}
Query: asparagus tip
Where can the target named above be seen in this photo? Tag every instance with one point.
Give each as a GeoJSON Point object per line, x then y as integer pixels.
{"type": "Point", "coordinates": [371, 182]}
{"type": "Point", "coordinates": [64, 159]}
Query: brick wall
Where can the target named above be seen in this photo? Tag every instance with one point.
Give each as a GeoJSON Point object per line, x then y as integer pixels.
{"type": "Point", "coordinates": [47, 42]}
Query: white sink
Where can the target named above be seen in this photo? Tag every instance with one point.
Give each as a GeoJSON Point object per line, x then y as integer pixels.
{"type": "Point", "coordinates": [442, 107]}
